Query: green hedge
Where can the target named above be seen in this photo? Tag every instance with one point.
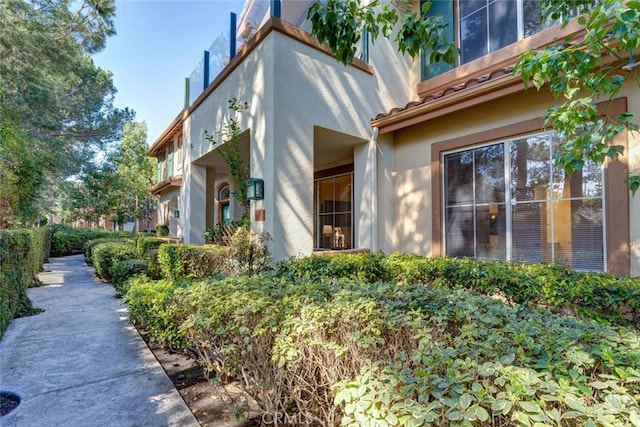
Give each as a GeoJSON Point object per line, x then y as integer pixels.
{"type": "Point", "coordinates": [122, 271]}
{"type": "Point", "coordinates": [179, 261]}
{"type": "Point", "coordinates": [22, 254]}
{"type": "Point", "coordinates": [106, 254]}
{"type": "Point", "coordinates": [91, 244]}
{"type": "Point", "coordinates": [606, 298]}
{"type": "Point", "coordinates": [150, 307]}
{"type": "Point", "coordinates": [68, 241]}
{"type": "Point", "coordinates": [352, 352]}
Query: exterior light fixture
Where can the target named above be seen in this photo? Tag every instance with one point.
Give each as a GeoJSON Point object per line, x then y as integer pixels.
{"type": "Point", "coordinates": [176, 213]}
{"type": "Point", "coordinates": [255, 189]}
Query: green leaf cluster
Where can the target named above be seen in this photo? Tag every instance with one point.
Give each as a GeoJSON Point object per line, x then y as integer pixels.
{"type": "Point", "coordinates": [66, 240]}
{"type": "Point", "coordinates": [178, 261]}
{"type": "Point", "coordinates": [341, 25]}
{"type": "Point", "coordinates": [227, 139]}
{"type": "Point", "coordinates": [585, 71]}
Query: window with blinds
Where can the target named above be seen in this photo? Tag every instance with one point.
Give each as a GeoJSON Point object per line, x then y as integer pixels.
{"type": "Point", "coordinates": [508, 201]}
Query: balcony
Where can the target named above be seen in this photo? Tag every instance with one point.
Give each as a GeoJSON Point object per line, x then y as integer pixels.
{"type": "Point", "coordinates": [231, 40]}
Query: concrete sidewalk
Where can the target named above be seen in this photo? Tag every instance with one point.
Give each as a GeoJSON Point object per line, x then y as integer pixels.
{"type": "Point", "coordinates": [81, 362]}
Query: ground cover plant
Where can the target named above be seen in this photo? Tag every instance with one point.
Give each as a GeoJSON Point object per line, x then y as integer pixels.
{"type": "Point", "coordinates": [344, 348]}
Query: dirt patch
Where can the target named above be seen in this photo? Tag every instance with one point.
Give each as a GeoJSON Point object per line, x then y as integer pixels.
{"type": "Point", "coordinates": [213, 404]}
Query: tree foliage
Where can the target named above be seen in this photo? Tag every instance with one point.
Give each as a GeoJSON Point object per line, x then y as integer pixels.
{"type": "Point", "coordinates": [56, 106]}
{"type": "Point", "coordinates": [585, 71]}
{"type": "Point", "coordinates": [341, 24]}
{"type": "Point", "coordinates": [116, 187]}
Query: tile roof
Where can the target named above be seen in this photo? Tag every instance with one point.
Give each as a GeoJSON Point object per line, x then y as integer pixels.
{"type": "Point", "coordinates": [448, 91]}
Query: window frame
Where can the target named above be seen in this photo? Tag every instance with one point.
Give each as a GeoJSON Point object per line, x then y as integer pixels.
{"type": "Point", "coordinates": [509, 201]}
{"type": "Point", "coordinates": [346, 170]}
{"type": "Point", "coordinates": [616, 196]}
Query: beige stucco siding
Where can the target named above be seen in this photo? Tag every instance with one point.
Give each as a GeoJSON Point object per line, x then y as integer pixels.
{"type": "Point", "coordinates": [632, 93]}
{"type": "Point", "coordinates": [293, 89]}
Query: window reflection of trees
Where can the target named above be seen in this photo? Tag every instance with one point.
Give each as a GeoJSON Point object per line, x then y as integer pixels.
{"type": "Point", "coordinates": [553, 216]}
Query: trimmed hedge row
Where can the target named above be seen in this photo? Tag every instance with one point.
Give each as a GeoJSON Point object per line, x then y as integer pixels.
{"type": "Point", "coordinates": [68, 240]}
{"type": "Point", "coordinates": [179, 261]}
{"type": "Point", "coordinates": [22, 254]}
{"type": "Point", "coordinates": [606, 298]}
{"type": "Point", "coordinates": [353, 352]}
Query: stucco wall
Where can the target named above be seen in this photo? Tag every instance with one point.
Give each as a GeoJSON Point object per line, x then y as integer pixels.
{"type": "Point", "coordinates": [632, 92]}
{"type": "Point", "coordinates": [291, 89]}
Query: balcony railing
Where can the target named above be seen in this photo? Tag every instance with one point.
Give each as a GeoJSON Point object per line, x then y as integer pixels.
{"type": "Point", "coordinates": [231, 39]}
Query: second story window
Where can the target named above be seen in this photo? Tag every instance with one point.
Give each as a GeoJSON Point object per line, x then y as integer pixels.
{"type": "Point", "coordinates": [484, 26]}
{"type": "Point", "coordinates": [170, 160]}
{"type": "Point", "coordinates": [162, 171]}
{"type": "Point", "coordinates": [178, 154]}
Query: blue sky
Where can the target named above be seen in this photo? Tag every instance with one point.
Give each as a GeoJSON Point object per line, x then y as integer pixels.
{"type": "Point", "coordinates": [158, 44]}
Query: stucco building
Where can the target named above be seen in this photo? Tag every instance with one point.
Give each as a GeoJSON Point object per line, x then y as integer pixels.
{"type": "Point", "coordinates": [389, 154]}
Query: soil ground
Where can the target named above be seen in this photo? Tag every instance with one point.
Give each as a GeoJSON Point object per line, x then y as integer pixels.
{"type": "Point", "coordinates": [214, 405]}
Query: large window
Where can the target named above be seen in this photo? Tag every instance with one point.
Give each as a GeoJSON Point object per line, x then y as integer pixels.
{"type": "Point", "coordinates": [508, 201]}
{"type": "Point", "coordinates": [333, 212]}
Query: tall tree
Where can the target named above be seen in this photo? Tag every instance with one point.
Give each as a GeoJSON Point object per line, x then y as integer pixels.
{"type": "Point", "coordinates": [136, 172]}
{"type": "Point", "coordinates": [56, 106]}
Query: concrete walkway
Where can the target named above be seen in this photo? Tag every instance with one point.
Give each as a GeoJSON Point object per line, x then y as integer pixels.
{"type": "Point", "coordinates": [81, 362]}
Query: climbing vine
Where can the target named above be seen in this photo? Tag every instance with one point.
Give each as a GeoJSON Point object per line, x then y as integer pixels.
{"type": "Point", "coordinates": [227, 140]}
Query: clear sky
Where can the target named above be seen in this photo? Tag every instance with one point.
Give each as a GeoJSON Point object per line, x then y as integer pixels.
{"type": "Point", "coordinates": [158, 44]}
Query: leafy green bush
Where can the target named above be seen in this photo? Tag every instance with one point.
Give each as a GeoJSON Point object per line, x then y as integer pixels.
{"type": "Point", "coordinates": [178, 261]}
{"type": "Point", "coordinates": [146, 244]}
{"type": "Point", "coordinates": [106, 254]}
{"type": "Point", "coordinates": [219, 233]}
{"type": "Point", "coordinates": [148, 251]}
{"type": "Point", "coordinates": [90, 244]}
{"type": "Point", "coordinates": [150, 309]}
{"type": "Point", "coordinates": [249, 252]}
{"type": "Point", "coordinates": [603, 297]}
{"type": "Point", "coordinates": [365, 266]}
{"type": "Point", "coordinates": [22, 254]}
{"type": "Point", "coordinates": [122, 271]}
{"type": "Point", "coordinates": [381, 353]}
{"type": "Point", "coordinates": [68, 241]}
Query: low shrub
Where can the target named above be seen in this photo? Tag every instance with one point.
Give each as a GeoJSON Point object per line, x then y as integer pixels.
{"type": "Point", "coordinates": [220, 234]}
{"type": "Point", "coordinates": [22, 254]}
{"type": "Point", "coordinates": [150, 309]}
{"type": "Point", "coordinates": [91, 244]}
{"type": "Point", "coordinates": [178, 261]}
{"type": "Point", "coordinates": [249, 252]}
{"type": "Point", "coordinates": [122, 271]}
{"type": "Point", "coordinates": [368, 266]}
{"type": "Point", "coordinates": [360, 353]}
{"type": "Point", "coordinates": [147, 244]}
{"type": "Point", "coordinates": [106, 254]}
{"type": "Point", "coordinates": [606, 298]}
{"type": "Point", "coordinates": [148, 250]}
{"type": "Point", "coordinates": [162, 230]}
